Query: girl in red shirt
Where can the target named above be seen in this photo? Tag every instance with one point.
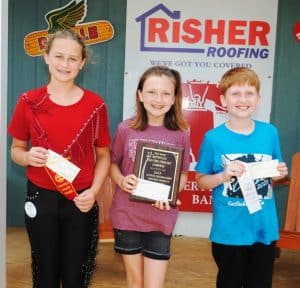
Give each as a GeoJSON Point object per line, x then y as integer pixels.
{"type": "Point", "coordinates": [61, 214]}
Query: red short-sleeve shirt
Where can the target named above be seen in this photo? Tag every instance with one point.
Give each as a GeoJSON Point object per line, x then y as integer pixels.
{"type": "Point", "coordinates": [73, 131]}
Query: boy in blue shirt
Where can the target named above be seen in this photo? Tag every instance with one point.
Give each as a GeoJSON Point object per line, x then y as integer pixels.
{"type": "Point", "coordinates": [243, 241]}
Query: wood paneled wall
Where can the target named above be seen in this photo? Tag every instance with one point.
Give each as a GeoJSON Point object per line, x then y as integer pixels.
{"type": "Point", "coordinates": [105, 76]}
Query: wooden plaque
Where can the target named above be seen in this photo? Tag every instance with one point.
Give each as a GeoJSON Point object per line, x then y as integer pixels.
{"type": "Point", "coordinates": [158, 163]}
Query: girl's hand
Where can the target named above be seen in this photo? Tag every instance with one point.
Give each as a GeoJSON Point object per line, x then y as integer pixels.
{"type": "Point", "coordinates": [283, 170]}
{"type": "Point", "coordinates": [129, 183]}
{"type": "Point", "coordinates": [234, 168]}
{"type": "Point", "coordinates": [164, 205]}
{"type": "Point", "coordinates": [36, 156]}
{"type": "Point", "coordinates": [85, 200]}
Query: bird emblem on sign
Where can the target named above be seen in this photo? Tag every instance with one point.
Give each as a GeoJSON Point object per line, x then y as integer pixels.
{"type": "Point", "coordinates": [66, 17]}
{"type": "Point", "coordinates": [69, 16]}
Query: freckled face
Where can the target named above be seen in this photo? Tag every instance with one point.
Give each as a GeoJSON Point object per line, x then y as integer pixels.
{"type": "Point", "coordinates": [158, 96]}
{"type": "Point", "coordinates": [64, 59]}
{"type": "Point", "coordinates": [240, 100]}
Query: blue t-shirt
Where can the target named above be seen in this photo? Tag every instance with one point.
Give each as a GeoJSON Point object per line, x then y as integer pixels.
{"type": "Point", "coordinates": [232, 224]}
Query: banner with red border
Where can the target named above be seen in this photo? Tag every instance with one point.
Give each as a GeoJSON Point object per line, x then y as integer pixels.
{"type": "Point", "coordinates": [201, 39]}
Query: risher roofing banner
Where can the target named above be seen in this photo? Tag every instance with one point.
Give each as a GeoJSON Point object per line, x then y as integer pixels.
{"type": "Point", "coordinates": [200, 39]}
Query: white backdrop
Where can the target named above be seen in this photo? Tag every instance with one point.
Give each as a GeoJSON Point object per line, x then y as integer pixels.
{"type": "Point", "coordinates": [201, 39]}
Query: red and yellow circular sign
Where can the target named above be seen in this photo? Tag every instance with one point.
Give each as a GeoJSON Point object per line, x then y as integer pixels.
{"type": "Point", "coordinates": [296, 31]}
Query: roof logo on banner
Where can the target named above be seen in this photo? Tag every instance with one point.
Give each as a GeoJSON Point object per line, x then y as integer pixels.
{"type": "Point", "coordinates": [202, 96]}
{"type": "Point", "coordinates": [69, 17]}
{"type": "Point", "coordinates": [163, 30]}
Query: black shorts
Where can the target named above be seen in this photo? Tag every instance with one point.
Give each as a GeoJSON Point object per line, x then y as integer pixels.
{"type": "Point", "coordinates": [154, 245]}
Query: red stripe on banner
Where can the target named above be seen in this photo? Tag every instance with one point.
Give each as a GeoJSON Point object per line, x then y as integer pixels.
{"type": "Point", "coordinates": [194, 199]}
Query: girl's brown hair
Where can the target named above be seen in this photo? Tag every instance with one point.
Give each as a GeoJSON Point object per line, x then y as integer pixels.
{"type": "Point", "coordinates": [239, 76]}
{"type": "Point", "coordinates": [174, 119]}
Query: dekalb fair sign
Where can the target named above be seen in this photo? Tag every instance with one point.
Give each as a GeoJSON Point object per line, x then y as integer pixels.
{"type": "Point", "coordinates": [200, 39]}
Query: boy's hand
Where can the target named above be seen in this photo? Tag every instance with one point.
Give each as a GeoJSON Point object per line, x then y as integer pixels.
{"type": "Point", "coordinates": [283, 170]}
{"type": "Point", "coordinates": [234, 168]}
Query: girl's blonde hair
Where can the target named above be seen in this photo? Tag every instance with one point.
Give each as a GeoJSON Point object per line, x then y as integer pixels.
{"type": "Point", "coordinates": [66, 34]}
{"type": "Point", "coordinates": [174, 119]}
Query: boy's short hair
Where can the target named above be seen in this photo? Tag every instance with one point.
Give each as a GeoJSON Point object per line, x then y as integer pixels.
{"type": "Point", "coordinates": [239, 76]}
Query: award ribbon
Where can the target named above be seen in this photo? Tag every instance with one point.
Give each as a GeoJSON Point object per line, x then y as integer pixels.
{"type": "Point", "coordinates": [62, 173]}
{"type": "Point", "coordinates": [63, 186]}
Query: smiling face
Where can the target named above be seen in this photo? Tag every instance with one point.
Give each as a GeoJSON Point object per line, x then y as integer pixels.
{"type": "Point", "coordinates": [241, 101]}
{"type": "Point", "coordinates": [64, 59]}
{"type": "Point", "coordinates": [158, 96]}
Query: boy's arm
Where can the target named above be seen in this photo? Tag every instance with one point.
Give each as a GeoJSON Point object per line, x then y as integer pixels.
{"type": "Point", "coordinates": [210, 181]}
{"type": "Point", "coordinates": [207, 181]}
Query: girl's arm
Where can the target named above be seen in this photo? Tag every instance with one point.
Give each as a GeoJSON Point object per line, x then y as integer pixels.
{"type": "Point", "coordinates": [101, 168]}
{"type": "Point", "coordinates": [36, 156]}
{"type": "Point", "coordinates": [85, 200]}
{"type": "Point", "coordinates": [126, 183]}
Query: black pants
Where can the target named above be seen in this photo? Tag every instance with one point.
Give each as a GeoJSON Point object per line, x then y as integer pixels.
{"type": "Point", "coordinates": [244, 266]}
{"type": "Point", "coordinates": [63, 239]}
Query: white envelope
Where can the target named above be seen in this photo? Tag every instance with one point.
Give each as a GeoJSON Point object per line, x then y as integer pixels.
{"type": "Point", "coordinates": [263, 169]}
{"type": "Point", "coordinates": [62, 166]}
